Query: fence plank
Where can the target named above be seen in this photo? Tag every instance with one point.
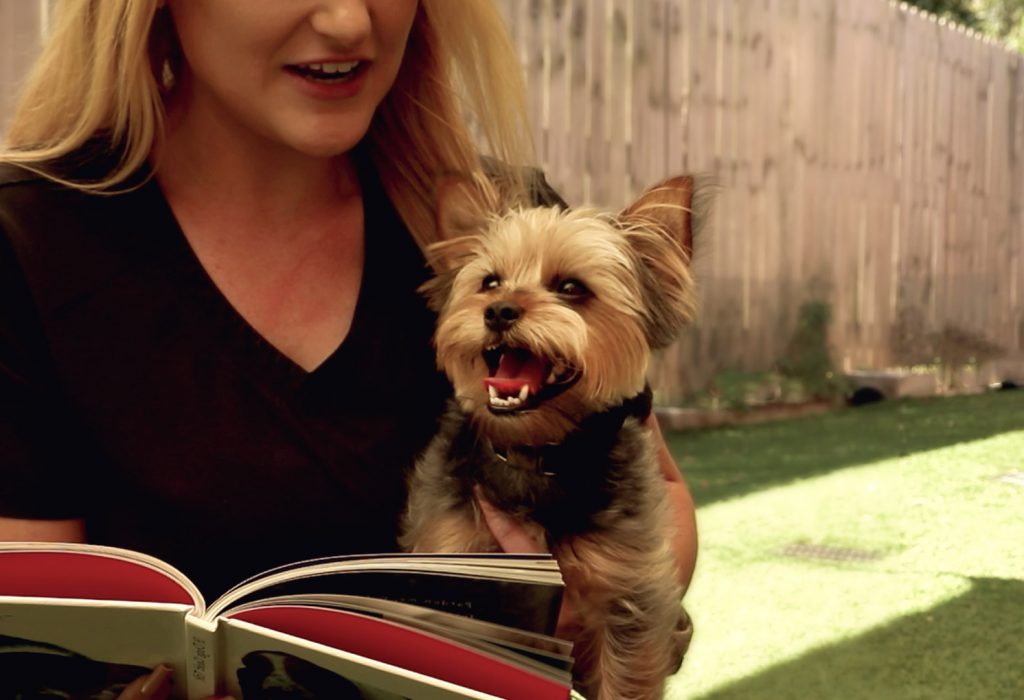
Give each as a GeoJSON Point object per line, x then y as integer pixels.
{"type": "Point", "coordinates": [20, 30]}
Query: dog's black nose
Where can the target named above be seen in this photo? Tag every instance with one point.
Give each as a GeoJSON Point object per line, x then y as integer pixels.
{"type": "Point", "coordinates": [501, 315]}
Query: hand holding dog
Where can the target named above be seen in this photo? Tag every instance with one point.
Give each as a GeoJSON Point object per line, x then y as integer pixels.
{"type": "Point", "coordinates": [513, 538]}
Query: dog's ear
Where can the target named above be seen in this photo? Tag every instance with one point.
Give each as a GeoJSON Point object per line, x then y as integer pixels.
{"type": "Point", "coordinates": [661, 226]}
{"type": "Point", "coordinates": [678, 206]}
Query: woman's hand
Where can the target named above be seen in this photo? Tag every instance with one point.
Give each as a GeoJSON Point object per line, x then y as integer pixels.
{"type": "Point", "coordinates": [156, 686]}
{"type": "Point", "coordinates": [513, 538]}
{"type": "Point", "coordinates": [683, 510]}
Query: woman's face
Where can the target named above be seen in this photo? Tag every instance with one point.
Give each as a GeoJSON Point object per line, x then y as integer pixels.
{"type": "Point", "coordinates": [306, 74]}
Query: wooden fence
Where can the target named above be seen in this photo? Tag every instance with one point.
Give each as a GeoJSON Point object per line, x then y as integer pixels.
{"type": "Point", "coordinates": [21, 29]}
{"type": "Point", "coordinates": [870, 157]}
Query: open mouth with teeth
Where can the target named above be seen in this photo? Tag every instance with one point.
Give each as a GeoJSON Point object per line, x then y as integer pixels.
{"type": "Point", "coordinates": [518, 380]}
{"type": "Point", "coordinates": [338, 71]}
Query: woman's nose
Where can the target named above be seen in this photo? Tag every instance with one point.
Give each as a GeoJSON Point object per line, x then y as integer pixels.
{"type": "Point", "coordinates": [346, 22]}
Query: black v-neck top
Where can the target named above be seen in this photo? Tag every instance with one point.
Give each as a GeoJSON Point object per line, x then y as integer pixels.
{"type": "Point", "coordinates": [133, 395]}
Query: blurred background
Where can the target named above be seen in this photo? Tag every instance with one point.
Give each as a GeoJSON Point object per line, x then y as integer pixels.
{"type": "Point", "coordinates": [871, 160]}
{"type": "Point", "coordinates": [866, 248]}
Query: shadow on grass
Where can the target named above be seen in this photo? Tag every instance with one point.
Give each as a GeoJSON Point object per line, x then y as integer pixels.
{"type": "Point", "coordinates": [968, 647]}
{"type": "Point", "coordinates": [729, 462]}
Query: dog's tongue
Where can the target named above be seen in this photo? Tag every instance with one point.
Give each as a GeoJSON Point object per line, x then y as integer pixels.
{"type": "Point", "coordinates": [516, 368]}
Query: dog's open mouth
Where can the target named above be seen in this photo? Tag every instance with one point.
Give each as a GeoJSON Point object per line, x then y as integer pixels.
{"type": "Point", "coordinates": [519, 380]}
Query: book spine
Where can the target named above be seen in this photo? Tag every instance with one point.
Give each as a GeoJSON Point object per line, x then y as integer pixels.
{"type": "Point", "coordinates": [201, 657]}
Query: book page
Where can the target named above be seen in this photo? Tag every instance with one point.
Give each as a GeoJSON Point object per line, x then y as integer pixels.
{"type": "Point", "coordinates": [63, 648]}
{"type": "Point", "coordinates": [525, 605]}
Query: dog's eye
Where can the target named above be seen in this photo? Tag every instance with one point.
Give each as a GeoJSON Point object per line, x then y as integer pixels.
{"type": "Point", "coordinates": [572, 288]}
{"type": "Point", "coordinates": [490, 282]}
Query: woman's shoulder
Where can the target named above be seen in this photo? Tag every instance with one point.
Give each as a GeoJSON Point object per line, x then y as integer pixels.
{"type": "Point", "coordinates": [65, 240]}
{"type": "Point", "coordinates": [34, 205]}
{"type": "Point", "coordinates": [27, 187]}
{"type": "Point", "coordinates": [48, 183]}
{"type": "Point", "coordinates": [65, 188]}
{"type": "Point", "coordinates": [87, 165]}
{"type": "Point", "coordinates": [14, 174]}
{"type": "Point", "coordinates": [30, 200]}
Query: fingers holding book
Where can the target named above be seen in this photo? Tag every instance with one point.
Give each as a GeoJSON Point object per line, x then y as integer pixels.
{"type": "Point", "coordinates": [156, 686]}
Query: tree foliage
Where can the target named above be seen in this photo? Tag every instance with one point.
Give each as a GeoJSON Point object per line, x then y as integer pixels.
{"type": "Point", "coordinates": [957, 10]}
{"type": "Point", "coordinates": [1003, 19]}
{"type": "Point", "coordinates": [1000, 19]}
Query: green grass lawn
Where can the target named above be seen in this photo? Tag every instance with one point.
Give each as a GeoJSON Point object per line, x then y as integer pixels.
{"type": "Point", "coordinates": [869, 553]}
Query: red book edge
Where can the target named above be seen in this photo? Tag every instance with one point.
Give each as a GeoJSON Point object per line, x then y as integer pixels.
{"type": "Point", "coordinates": [92, 576]}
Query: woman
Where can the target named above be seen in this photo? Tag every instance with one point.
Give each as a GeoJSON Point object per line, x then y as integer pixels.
{"type": "Point", "coordinates": [211, 347]}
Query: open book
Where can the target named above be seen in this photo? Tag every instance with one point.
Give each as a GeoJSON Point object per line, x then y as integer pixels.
{"type": "Point", "coordinates": [82, 621]}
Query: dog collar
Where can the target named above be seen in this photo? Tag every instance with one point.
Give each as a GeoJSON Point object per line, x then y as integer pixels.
{"type": "Point", "coordinates": [527, 457]}
{"type": "Point", "coordinates": [595, 434]}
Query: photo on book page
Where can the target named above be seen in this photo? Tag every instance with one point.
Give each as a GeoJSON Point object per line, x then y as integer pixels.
{"type": "Point", "coordinates": [279, 675]}
{"type": "Point", "coordinates": [74, 649]}
{"type": "Point", "coordinates": [260, 664]}
{"type": "Point", "coordinates": [33, 669]}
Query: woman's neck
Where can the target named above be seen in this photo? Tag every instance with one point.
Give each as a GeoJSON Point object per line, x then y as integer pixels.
{"type": "Point", "coordinates": [279, 233]}
{"type": "Point", "coordinates": [207, 163]}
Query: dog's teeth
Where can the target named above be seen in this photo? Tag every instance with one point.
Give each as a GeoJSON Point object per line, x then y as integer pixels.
{"type": "Point", "coordinates": [556, 371]}
{"type": "Point", "coordinates": [492, 392]}
{"type": "Point", "coordinates": [524, 392]}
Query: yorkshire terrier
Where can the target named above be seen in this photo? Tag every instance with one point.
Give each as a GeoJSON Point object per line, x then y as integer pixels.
{"type": "Point", "coordinates": [547, 319]}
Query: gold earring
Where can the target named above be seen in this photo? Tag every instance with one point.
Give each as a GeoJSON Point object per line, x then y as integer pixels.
{"type": "Point", "coordinates": [167, 76]}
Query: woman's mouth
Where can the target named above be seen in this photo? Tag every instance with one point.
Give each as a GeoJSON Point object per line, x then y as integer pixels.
{"type": "Point", "coordinates": [327, 72]}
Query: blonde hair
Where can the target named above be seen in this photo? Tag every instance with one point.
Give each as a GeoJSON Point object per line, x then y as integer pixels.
{"type": "Point", "coordinates": [459, 90]}
{"type": "Point", "coordinates": [93, 79]}
{"type": "Point", "coordinates": [465, 64]}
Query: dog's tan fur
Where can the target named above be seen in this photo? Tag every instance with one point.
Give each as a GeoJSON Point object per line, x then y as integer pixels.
{"type": "Point", "coordinates": [620, 570]}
